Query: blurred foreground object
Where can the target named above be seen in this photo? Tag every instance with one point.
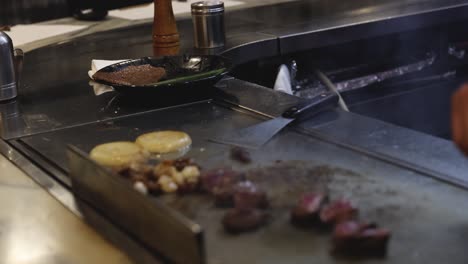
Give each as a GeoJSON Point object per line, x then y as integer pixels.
{"type": "Point", "coordinates": [460, 118]}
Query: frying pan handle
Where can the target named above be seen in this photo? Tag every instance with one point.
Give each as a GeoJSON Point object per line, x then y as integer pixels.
{"type": "Point", "coordinates": [317, 104]}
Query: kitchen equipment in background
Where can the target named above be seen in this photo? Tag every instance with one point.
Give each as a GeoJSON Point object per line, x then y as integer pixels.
{"type": "Point", "coordinates": [283, 82]}
{"type": "Point", "coordinates": [286, 78]}
{"type": "Point", "coordinates": [329, 84]}
{"type": "Point", "coordinates": [257, 135]}
{"type": "Point", "coordinates": [8, 89]}
{"type": "Point", "coordinates": [208, 24]}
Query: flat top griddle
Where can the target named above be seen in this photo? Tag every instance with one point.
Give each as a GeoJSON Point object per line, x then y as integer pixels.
{"type": "Point", "coordinates": [428, 225]}
{"type": "Point", "coordinates": [429, 219]}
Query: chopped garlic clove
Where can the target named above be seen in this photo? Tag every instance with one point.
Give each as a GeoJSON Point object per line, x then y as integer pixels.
{"type": "Point", "coordinates": [167, 184]}
{"type": "Point", "coordinates": [140, 187]}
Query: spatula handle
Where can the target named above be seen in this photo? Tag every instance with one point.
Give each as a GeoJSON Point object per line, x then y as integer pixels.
{"type": "Point", "coordinates": [460, 118]}
{"type": "Point", "coordinates": [313, 106]}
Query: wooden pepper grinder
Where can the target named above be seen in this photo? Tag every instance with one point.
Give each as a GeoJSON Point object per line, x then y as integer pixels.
{"type": "Point", "coordinates": [165, 34]}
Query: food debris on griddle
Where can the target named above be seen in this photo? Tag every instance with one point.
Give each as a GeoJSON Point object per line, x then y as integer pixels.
{"type": "Point", "coordinates": [180, 175]}
{"type": "Point", "coordinates": [359, 239]}
{"type": "Point", "coordinates": [132, 75]}
{"type": "Point", "coordinates": [243, 220]}
{"type": "Point", "coordinates": [241, 155]}
{"type": "Point", "coordinates": [143, 173]}
{"type": "Point", "coordinates": [306, 212]}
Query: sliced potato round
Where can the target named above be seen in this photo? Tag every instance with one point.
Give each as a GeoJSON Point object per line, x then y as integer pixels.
{"type": "Point", "coordinates": [116, 154]}
{"type": "Point", "coordinates": [164, 141]}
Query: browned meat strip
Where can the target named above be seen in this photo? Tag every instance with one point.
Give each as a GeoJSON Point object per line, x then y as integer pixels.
{"type": "Point", "coordinates": [352, 238]}
{"type": "Point", "coordinates": [307, 211]}
{"type": "Point", "coordinates": [243, 220]}
{"type": "Point", "coordinates": [132, 75]}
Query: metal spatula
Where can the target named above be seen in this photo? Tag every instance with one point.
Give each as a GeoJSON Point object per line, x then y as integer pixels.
{"type": "Point", "coordinates": [257, 135]}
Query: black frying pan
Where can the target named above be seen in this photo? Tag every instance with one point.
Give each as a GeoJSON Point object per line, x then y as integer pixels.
{"type": "Point", "coordinates": [184, 74]}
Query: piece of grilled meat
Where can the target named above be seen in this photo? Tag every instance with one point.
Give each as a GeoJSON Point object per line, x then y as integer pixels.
{"type": "Point", "coordinates": [306, 213]}
{"type": "Point", "coordinates": [337, 211]}
{"type": "Point", "coordinates": [352, 238]}
{"type": "Point", "coordinates": [248, 195]}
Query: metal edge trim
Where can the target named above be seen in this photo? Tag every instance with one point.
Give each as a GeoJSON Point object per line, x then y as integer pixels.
{"type": "Point", "coordinates": [53, 187]}
{"type": "Point", "coordinates": [66, 198]}
{"type": "Point", "coordinates": [80, 164]}
{"type": "Point", "coordinates": [42, 162]}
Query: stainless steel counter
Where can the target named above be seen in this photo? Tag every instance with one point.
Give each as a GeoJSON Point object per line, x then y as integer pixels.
{"type": "Point", "coordinates": [36, 228]}
{"type": "Point", "coordinates": [251, 34]}
{"type": "Point", "coordinates": [57, 106]}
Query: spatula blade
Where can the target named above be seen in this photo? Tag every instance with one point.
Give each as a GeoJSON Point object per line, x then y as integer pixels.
{"type": "Point", "coordinates": [255, 136]}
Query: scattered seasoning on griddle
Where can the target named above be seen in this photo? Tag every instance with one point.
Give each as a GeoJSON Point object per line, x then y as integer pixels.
{"type": "Point", "coordinates": [244, 220]}
{"type": "Point", "coordinates": [180, 175]}
{"type": "Point", "coordinates": [132, 75]}
{"type": "Point", "coordinates": [241, 155]}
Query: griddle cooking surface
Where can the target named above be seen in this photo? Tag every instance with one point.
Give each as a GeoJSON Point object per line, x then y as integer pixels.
{"type": "Point", "coordinates": [428, 219]}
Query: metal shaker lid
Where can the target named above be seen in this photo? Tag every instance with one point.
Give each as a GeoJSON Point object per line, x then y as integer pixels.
{"type": "Point", "coordinates": [6, 45]}
{"type": "Point", "coordinates": [207, 7]}
{"type": "Point", "coordinates": [7, 68]}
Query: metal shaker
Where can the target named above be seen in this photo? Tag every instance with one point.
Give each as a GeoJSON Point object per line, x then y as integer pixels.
{"type": "Point", "coordinates": [208, 24]}
{"type": "Point", "coordinates": [8, 89]}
